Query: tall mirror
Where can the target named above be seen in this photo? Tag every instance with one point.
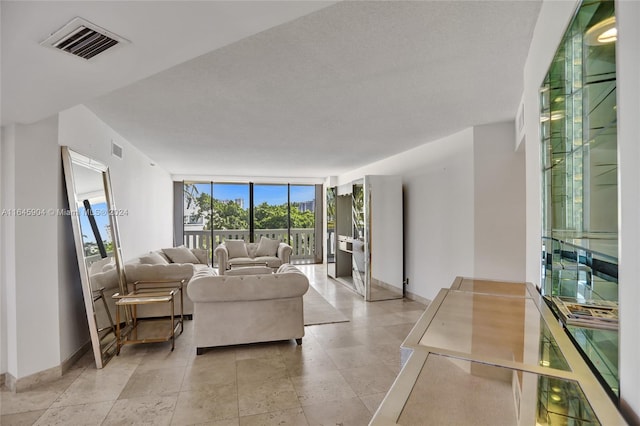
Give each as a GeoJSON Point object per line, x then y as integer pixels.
{"type": "Point", "coordinates": [97, 243]}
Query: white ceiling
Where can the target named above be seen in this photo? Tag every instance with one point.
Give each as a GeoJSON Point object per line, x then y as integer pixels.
{"type": "Point", "coordinates": [276, 89]}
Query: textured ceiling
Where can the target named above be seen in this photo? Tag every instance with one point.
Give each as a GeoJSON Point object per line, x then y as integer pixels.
{"type": "Point", "coordinates": [330, 91]}
{"type": "Point", "coordinates": [37, 81]}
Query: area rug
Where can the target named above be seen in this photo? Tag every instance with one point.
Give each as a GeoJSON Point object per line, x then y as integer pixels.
{"type": "Point", "coordinates": [318, 311]}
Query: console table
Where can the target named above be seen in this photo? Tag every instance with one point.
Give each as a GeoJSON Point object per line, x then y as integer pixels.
{"type": "Point", "coordinates": [146, 330]}
{"type": "Point", "coordinates": [490, 352]}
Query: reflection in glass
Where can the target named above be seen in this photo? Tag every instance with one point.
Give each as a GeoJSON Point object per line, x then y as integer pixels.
{"type": "Point", "coordinates": [97, 247]}
{"type": "Point", "coordinates": [470, 323]}
{"type": "Point", "coordinates": [331, 226]}
{"type": "Point", "coordinates": [462, 392]}
{"type": "Point", "coordinates": [358, 254]}
{"type": "Point", "coordinates": [578, 126]}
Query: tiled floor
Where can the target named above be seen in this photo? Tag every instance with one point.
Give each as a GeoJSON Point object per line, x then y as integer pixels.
{"type": "Point", "coordinates": [337, 377]}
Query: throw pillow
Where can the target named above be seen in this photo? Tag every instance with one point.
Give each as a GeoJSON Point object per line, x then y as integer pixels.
{"type": "Point", "coordinates": [267, 247]}
{"type": "Point", "coordinates": [97, 267]}
{"type": "Point", "coordinates": [180, 255]}
{"type": "Point", "coordinates": [201, 254]}
{"type": "Point", "coordinates": [153, 259]}
{"type": "Point", "coordinates": [236, 248]}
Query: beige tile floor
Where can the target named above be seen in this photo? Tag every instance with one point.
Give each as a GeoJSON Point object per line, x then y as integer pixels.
{"type": "Point", "coordinates": [337, 377]}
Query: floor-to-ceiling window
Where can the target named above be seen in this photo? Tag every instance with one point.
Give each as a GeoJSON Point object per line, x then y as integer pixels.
{"type": "Point", "coordinates": [214, 212]}
{"type": "Point", "coordinates": [271, 212]}
{"type": "Point", "coordinates": [302, 203]}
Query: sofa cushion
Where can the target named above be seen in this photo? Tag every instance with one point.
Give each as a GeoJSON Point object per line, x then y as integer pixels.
{"type": "Point", "coordinates": [180, 255]}
{"type": "Point", "coordinates": [153, 259]}
{"type": "Point", "coordinates": [154, 273]}
{"type": "Point", "coordinates": [267, 247]}
{"type": "Point", "coordinates": [101, 265]}
{"type": "Point", "coordinates": [236, 248]}
{"type": "Point", "coordinates": [201, 254]}
{"type": "Point", "coordinates": [271, 261]}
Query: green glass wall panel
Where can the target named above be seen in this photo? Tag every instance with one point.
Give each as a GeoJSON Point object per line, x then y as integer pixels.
{"type": "Point", "coordinates": [578, 129]}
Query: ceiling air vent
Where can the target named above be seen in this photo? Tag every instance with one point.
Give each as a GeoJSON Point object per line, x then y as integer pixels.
{"type": "Point", "coordinates": [83, 39]}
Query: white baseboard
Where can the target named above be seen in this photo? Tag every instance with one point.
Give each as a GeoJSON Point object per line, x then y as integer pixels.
{"type": "Point", "coordinates": [34, 380]}
{"type": "Point", "coordinates": [417, 298]}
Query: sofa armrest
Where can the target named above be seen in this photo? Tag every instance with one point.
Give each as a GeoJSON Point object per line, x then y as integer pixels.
{"type": "Point", "coordinates": [222, 256]}
{"type": "Point", "coordinates": [153, 273]}
{"type": "Point", "coordinates": [284, 252]}
{"type": "Point", "coordinates": [107, 280]}
{"type": "Point", "coordinates": [225, 288]}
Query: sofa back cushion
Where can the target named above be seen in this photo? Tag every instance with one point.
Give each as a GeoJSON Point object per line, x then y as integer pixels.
{"type": "Point", "coordinates": [180, 255]}
{"type": "Point", "coordinates": [153, 259]}
{"type": "Point", "coordinates": [201, 254]}
{"type": "Point", "coordinates": [236, 248]}
{"type": "Point", "coordinates": [267, 247]}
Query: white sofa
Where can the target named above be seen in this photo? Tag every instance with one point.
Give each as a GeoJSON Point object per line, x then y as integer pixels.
{"type": "Point", "coordinates": [232, 310]}
{"type": "Point", "coordinates": [266, 252]}
{"type": "Point", "coordinates": [165, 268]}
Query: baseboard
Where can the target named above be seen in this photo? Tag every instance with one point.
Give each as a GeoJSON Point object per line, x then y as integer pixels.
{"type": "Point", "coordinates": [46, 376]}
{"type": "Point", "coordinates": [69, 362]}
{"type": "Point", "coordinates": [34, 380]}
{"type": "Point", "coordinates": [417, 298]}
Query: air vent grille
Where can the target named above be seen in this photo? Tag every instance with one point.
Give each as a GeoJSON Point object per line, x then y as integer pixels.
{"type": "Point", "coordinates": [116, 150]}
{"type": "Point", "coordinates": [83, 39]}
{"type": "Point", "coordinates": [86, 43]}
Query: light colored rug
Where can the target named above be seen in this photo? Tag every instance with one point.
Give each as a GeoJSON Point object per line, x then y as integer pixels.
{"type": "Point", "coordinates": [318, 311]}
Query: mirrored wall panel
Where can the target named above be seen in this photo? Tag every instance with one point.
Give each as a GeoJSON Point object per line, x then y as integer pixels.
{"type": "Point", "coordinates": [578, 125]}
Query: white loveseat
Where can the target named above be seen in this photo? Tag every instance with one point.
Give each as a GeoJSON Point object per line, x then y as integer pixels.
{"type": "Point", "coordinates": [232, 310]}
{"type": "Point", "coordinates": [266, 252]}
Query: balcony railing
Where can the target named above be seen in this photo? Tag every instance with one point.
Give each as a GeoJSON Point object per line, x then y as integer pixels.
{"type": "Point", "coordinates": [302, 239]}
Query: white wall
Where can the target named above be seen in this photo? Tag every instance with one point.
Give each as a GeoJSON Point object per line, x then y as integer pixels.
{"type": "Point", "coordinates": [499, 208]}
{"type": "Point", "coordinates": [628, 92]}
{"type": "Point", "coordinates": [438, 209]}
{"type": "Point", "coordinates": [145, 191]}
{"type": "Point", "coordinates": [30, 252]}
{"type": "Point", "coordinates": [7, 241]}
{"type": "Point", "coordinates": [43, 318]}
{"type": "Point", "coordinates": [464, 207]}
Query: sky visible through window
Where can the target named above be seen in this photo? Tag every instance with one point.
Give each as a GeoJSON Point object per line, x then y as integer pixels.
{"type": "Point", "coordinates": [100, 213]}
{"type": "Point", "coordinates": [272, 194]}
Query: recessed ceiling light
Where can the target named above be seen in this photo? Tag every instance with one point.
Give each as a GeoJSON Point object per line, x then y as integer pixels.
{"type": "Point", "coordinates": [603, 32]}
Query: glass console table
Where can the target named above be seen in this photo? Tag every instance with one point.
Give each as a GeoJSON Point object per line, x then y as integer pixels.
{"type": "Point", "coordinates": [153, 330]}
{"type": "Point", "coordinates": [488, 352]}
